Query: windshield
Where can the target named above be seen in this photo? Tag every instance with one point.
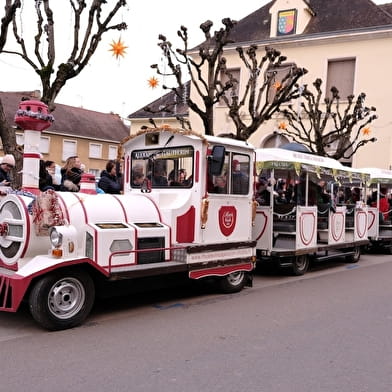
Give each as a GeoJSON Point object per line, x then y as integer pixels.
{"type": "Point", "coordinates": [167, 167]}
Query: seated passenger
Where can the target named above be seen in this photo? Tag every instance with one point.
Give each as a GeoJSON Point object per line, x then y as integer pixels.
{"type": "Point", "coordinates": [240, 181]}
{"type": "Point", "coordinates": [159, 177]}
{"type": "Point", "coordinates": [220, 185]}
{"type": "Point", "coordinates": [137, 179]}
{"type": "Point", "coordinates": [263, 194]}
{"type": "Point", "coordinates": [384, 205]}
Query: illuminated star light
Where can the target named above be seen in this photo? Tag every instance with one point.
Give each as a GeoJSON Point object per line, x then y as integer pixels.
{"type": "Point", "coordinates": [282, 125]}
{"type": "Point", "coordinates": [118, 48]}
{"type": "Point", "coordinates": [277, 85]}
{"type": "Point", "coordinates": [153, 82]}
{"type": "Point", "coordinates": [366, 131]}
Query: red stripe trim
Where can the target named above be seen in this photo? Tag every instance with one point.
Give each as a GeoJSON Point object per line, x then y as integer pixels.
{"type": "Point", "coordinates": [220, 271]}
{"type": "Point", "coordinates": [197, 166]}
{"type": "Point", "coordinates": [157, 209]}
{"type": "Point", "coordinates": [82, 205]}
{"type": "Point", "coordinates": [65, 208]}
{"type": "Point", "coordinates": [32, 155]}
{"type": "Point", "coordinates": [122, 207]}
{"type": "Point", "coordinates": [27, 220]}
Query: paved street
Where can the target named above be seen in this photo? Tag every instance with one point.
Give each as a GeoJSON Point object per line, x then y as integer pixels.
{"type": "Point", "coordinates": [329, 330]}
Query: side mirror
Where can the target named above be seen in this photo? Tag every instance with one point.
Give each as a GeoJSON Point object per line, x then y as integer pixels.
{"type": "Point", "coordinates": [216, 160]}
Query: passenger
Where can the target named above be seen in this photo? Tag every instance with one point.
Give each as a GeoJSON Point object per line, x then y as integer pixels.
{"type": "Point", "coordinates": [240, 181]}
{"type": "Point", "coordinates": [110, 182]}
{"type": "Point", "coordinates": [263, 194]}
{"type": "Point", "coordinates": [137, 179]}
{"type": "Point", "coordinates": [71, 174]}
{"type": "Point", "coordinates": [7, 164]}
{"type": "Point", "coordinates": [383, 206]}
{"type": "Point", "coordinates": [45, 178]}
{"type": "Point", "coordinates": [51, 168]}
{"type": "Point", "coordinates": [280, 198]}
{"type": "Point", "coordinates": [159, 177]}
{"type": "Point", "coordinates": [322, 196]}
{"type": "Point", "coordinates": [220, 185]}
{"type": "Point", "coordinates": [178, 180]}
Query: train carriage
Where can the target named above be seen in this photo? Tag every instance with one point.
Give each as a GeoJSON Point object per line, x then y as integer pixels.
{"type": "Point", "coordinates": [301, 215]}
{"type": "Point", "coordinates": [378, 196]}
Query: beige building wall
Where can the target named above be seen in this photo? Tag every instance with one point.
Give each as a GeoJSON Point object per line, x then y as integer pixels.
{"type": "Point", "coordinates": [373, 55]}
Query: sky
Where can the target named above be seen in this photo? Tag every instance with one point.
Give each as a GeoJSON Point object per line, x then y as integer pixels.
{"type": "Point", "coordinates": [121, 85]}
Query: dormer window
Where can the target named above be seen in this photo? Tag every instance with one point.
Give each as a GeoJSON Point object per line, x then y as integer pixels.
{"type": "Point", "coordinates": [289, 17]}
{"type": "Point", "coordinates": [287, 22]}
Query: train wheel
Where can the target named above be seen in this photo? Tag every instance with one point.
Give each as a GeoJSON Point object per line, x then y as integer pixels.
{"type": "Point", "coordinates": [233, 282]}
{"type": "Point", "coordinates": [354, 258]}
{"type": "Point", "coordinates": [62, 300]}
{"type": "Point", "coordinates": [300, 265]}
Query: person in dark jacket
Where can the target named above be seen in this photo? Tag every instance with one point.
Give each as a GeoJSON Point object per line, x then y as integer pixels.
{"type": "Point", "coordinates": [7, 164]}
{"type": "Point", "coordinates": [110, 181]}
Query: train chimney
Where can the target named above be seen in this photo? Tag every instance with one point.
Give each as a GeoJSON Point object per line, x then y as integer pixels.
{"type": "Point", "coordinates": [33, 117]}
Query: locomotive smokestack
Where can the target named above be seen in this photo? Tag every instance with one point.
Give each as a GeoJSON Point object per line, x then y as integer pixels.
{"type": "Point", "coordinates": [32, 116]}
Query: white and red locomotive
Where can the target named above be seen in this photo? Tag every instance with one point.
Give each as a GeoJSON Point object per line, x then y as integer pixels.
{"type": "Point", "coordinates": [56, 246]}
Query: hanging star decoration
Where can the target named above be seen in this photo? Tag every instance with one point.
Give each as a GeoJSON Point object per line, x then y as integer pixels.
{"type": "Point", "coordinates": [366, 131]}
{"type": "Point", "coordinates": [277, 86]}
{"type": "Point", "coordinates": [118, 48]}
{"type": "Point", "coordinates": [282, 125]}
{"type": "Point", "coordinates": [153, 82]}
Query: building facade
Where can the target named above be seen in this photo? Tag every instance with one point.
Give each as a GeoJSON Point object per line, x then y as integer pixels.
{"type": "Point", "coordinates": [93, 136]}
{"type": "Point", "coordinates": [345, 43]}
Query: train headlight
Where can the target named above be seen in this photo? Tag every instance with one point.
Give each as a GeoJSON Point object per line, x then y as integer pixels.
{"type": "Point", "coordinates": [56, 238]}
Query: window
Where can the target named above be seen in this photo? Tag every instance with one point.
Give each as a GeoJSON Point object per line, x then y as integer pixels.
{"type": "Point", "coordinates": [95, 150]}
{"type": "Point", "coordinates": [44, 144]}
{"type": "Point", "coordinates": [164, 167]}
{"type": "Point", "coordinates": [341, 75]}
{"type": "Point", "coordinates": [277, 77]}
{"type": "Point", "coordinates": [234, 178]}
{"type": "Point", "coordinates": [112, 152]}
{"type": "Point", "coordinates": [240, 168]}
{"type": "Point", "coordinates": [287, 22]}
{"type": "Point", "coordinates": [234, 91]}
{"type": "Point", "coordinates": [69, 149]}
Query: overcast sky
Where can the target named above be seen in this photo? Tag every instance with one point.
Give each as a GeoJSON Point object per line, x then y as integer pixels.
{"type": "Point", "coordinates": [120, 86]}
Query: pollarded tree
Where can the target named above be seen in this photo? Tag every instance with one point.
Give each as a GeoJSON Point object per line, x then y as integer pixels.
{"type": "Point", "coordinates": [213, 82]}
{"type": "Point", "coordinates": [204, 71]}
{"type": "Point", "coordinates": [326, 128]}
{"type": "Point", "coordinates": [272, 82]}
{"type": "Point", "coordinates": [96, 19]}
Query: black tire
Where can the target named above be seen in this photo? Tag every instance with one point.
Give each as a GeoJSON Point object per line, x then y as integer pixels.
{"type": "Point", "coordinates": [233, 282]}
{"type": "Point", "coordinates": [300, 265]}
{"type": "Point", "coordinates": [62, 299]}
{"type": "Point", "coordinates": [356, 256]}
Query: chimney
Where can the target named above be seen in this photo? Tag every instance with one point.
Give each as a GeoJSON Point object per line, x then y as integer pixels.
{"type": "Point", "coordinates": [32, 116]}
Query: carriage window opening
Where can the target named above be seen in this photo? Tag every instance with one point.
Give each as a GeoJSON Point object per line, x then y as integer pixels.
{"type": "Point", "coordinates": [168, 167]}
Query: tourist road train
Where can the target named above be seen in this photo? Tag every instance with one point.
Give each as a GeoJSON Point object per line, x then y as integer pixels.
{"type": "Point", "coordinates": [192, 206]}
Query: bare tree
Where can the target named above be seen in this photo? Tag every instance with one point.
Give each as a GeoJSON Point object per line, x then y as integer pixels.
{"type": "Point", "coordinates": [271, 82]}
{"type": "Point", "coordinates": [213, 81]}
{"type": "Point", "coordinates": [204, 72]}
{"type": "Point", "coordinates": [53, 78]}
{"type": "Point", "coordinates": [327, 129]}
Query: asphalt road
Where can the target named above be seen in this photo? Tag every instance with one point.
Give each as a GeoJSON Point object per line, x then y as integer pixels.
{"type": "Point", "coordinates": [329, 330]}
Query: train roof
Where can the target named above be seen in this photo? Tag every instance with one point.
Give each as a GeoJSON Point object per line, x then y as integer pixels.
{"type": "Point", "coordinates": [279, 158]}
{"type": "Point", "coordinates": [378, 175]}
{"type": "Point", "coordinates": [226, 141]}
